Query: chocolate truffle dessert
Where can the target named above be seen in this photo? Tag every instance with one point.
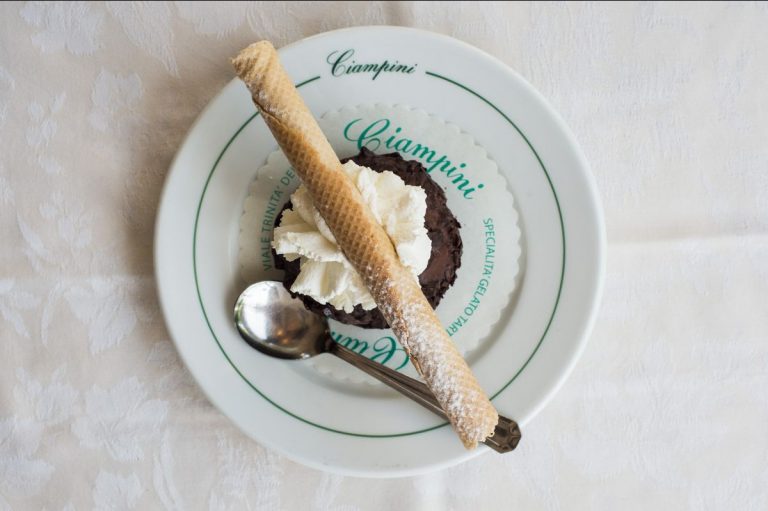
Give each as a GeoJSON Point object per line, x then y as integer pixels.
{"type": "Point", "coordinates": [442, 229]}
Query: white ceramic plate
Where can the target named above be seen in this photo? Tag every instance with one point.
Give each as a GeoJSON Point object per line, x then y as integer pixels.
{"type": "Point", "coordinates": [361, 430]}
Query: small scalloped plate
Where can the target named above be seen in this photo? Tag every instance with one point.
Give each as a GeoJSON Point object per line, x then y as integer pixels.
{"type": "Point", "coordinates": [369, 431]}
{"type": "Point", "coordinates": [477, 195]}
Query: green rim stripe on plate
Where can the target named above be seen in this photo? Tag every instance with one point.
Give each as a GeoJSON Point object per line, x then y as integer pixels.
{"type": "Point", "coordinates": [307, 421]}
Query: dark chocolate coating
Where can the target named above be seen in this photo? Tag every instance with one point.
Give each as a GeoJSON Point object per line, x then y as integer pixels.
{"type": "Point", "coordinates": [442, 229]}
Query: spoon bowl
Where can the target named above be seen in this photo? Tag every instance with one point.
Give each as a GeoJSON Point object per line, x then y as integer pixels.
{"type": "Point", "coordinates": [269, 319]}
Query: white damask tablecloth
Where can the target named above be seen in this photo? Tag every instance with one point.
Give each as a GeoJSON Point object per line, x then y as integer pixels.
{"type": "Point", "coordinates": [668, 408]}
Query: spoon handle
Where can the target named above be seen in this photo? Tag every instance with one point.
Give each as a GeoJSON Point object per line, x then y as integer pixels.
{"type": "Point", "coordinates": [506, 436]}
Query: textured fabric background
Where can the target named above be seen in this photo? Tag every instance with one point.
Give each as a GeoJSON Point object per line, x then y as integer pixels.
{"type": "Point", "coordinates": [668, 409]}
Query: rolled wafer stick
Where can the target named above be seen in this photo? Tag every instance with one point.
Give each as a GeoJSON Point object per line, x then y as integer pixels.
{"type": "Point", "coordinates": [366, 245]}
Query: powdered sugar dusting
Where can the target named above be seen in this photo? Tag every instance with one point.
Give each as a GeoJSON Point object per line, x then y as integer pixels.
{"type": "Point", "coordinates": [434, 355]}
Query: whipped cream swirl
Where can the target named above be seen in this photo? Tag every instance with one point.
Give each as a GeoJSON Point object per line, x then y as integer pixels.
{"type": "Point", "coordinates": [326, 275]}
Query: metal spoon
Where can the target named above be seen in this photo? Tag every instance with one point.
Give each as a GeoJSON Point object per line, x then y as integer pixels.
{"type": "Point", "coordinates": [278, 325]}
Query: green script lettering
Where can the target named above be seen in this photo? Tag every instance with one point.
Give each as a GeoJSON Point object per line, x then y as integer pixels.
{"type": "Point", "coordinates": [371, 136]}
